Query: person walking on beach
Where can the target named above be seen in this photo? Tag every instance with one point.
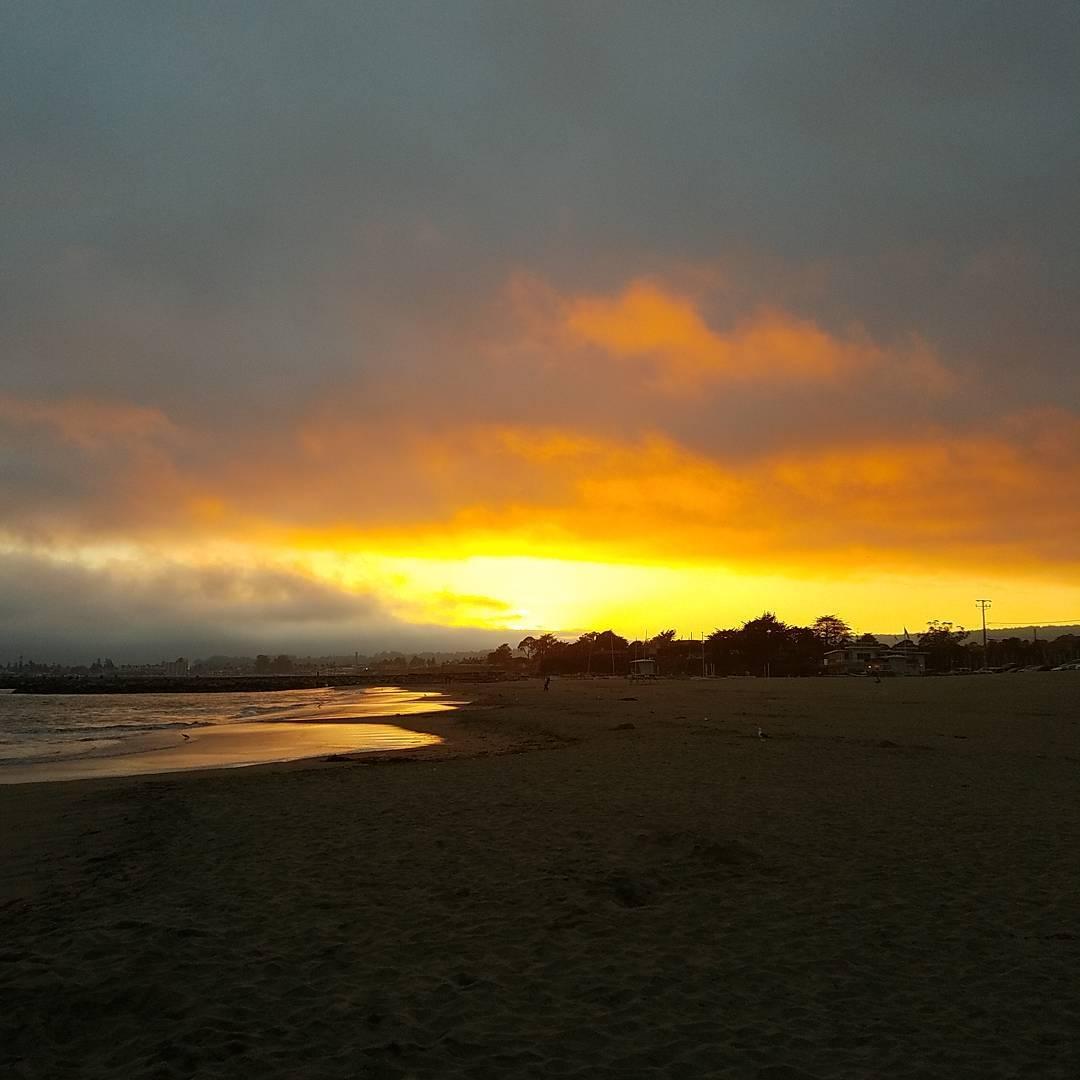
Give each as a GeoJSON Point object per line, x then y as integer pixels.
{"type": "Point", "coordinates": [547, 683]}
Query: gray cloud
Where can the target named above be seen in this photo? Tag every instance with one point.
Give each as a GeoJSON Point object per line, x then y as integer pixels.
{"type": "Point", "coordinates": [236, 214]}
{"type": "Point", "coordinates": [60, 610]}
{"type": "Point", "coordinates": [197, 189]}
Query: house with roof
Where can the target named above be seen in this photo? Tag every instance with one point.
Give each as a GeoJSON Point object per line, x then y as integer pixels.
{"type": "Point", "coordinates": [903, 658]}
{"type": "Point", "coordinates": [858, 658]}
{"type": "Point", "coordinates": [854, 659]}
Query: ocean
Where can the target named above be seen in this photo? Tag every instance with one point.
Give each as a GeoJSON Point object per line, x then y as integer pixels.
{"type": "Point", "coordinates": [69, 736]}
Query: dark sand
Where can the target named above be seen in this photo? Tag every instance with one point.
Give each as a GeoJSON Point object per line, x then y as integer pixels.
{"type": "Point", "coordinates": [574, 884]}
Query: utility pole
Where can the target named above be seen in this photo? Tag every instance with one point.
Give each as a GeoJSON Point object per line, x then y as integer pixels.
{"type": "Point", "coordinates": [983, 605]}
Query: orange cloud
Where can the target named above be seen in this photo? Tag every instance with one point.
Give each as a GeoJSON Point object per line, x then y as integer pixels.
{"type": "Point", "coordinates": [450, 486]}
{"type": "Point", "coordinates": [651, 323]}
{"type": "Point", "coordinates": [667, 334]}
{"type": "Point", "coordinates": [464, 523]}
{"type": "Point", "coordinates": [932, 500]}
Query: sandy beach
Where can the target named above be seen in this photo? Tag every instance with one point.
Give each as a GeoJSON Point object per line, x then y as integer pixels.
{"type": "Point", "coordinates": [609, 879]}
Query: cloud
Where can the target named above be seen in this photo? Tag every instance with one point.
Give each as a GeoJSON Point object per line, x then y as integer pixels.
{"type": "Point", "coordinates": [138, 590]}
{"type": "Point", "coordinates": [648, 322]}
{"type": "Point", "coordinates": [87, 424]}
{"type": "Point", "coordinates": [939, 499]}
{"type": "Point", "coordinates": [942, 497]}
{"type": "Point", "coordinates": [667, 335]}
{"type": "Point", "coordinates": [460, 487]}
{"type": "Point", "coordinates": [85, 466]}
{"type": "Point", "coordinates": [142, 605]}
{"type": "Point", "coordinates": [146, 605]}
{"type": "Point", "coordinates": [278, 279]}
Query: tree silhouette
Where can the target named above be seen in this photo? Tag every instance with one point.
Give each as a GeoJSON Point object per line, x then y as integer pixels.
{"type": "Point", "coordinates": [545, 642]}
{"type": "Point", "coordinates": [940, 635]}
{"type": "Point", "coordinates": [502, 657]}
{"type": "Point", "coordinates": [766, 645]}
{"type": "Point", "coordinates": [832, 631]}
{"type": "Point", "coordinates": [942, 642]}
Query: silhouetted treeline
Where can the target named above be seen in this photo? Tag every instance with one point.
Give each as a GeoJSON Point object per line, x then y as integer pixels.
{"type": "Point", "coordinates": [760, 646]}
{"type": "Point", "coordinates": [1013, 652]}
{"type": "Point", "coordinates": [768, 646]}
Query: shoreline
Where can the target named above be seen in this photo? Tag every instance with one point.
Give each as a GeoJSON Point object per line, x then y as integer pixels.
{"type": "Point", "coordinates": [144, 762]}
{"type": "Point", "coordinates": [224, 684]}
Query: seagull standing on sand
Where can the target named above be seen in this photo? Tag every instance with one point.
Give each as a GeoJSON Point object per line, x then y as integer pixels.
{"type": "Point", "coordinates": [761, 734]}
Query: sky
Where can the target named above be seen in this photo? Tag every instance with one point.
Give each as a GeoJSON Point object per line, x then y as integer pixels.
{"type": "Point", "coordinates": [421, 325]}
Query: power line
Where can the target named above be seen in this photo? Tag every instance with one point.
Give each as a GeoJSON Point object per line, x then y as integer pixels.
{"type": "Point", "coordinates": [1023, 623]}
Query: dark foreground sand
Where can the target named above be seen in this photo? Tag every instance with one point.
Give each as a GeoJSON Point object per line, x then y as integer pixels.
{"type": "Point", "coordinates": [888, 886]}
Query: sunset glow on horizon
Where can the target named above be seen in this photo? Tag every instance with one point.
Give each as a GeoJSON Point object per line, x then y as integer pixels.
{"type": "Point", "coordinates": [668, 362]}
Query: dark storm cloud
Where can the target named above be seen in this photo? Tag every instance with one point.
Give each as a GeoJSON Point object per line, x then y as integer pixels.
{"type": "Point", "coordinates": [200, 193]}
{"type": "Point", "coordinates": [51, 608]}
{"type": "Point", "coordinates": [120, 602]}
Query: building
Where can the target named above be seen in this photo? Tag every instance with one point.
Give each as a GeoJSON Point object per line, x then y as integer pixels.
{"type": "Point", "coordinates": [903, 658]}
{"type": "Point", "coordinates": [852, 659]}
{"type": "Point", "coordinates": [643, 667]}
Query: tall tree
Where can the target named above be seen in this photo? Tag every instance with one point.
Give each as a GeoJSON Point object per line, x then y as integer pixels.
{"type": "Point", "coordinates": [766, 645]}
{"type": "Point", "coordinates": [831, 631]}
{"type": "Point", "coordinates": [941, 640]}
{"type": "Point", "coordinates": [502, 657]}
{"type": "Point", "coordinates": [942, 633]}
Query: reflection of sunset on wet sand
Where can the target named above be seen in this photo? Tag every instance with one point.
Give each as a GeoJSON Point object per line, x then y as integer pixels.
{"type": "Point", "coordinates": [131, 731]}
{"type": "Point", "coordinates": [230, 747]}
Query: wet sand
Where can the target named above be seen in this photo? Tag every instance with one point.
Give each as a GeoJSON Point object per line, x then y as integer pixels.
{"type": "Point", "coordinates": [610, 879]}
{"type": "Point", "coordinates": [225, 746]}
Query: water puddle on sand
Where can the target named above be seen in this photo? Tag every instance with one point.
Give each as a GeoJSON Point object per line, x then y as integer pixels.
{"type": "Point", "coordinates": [228, 746]}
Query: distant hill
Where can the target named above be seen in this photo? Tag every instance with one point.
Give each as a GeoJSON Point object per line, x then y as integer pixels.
{"type": "Point", "coordinates": [997, 633]}
{"type": "Point", "coordinates": [1047, 633]}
